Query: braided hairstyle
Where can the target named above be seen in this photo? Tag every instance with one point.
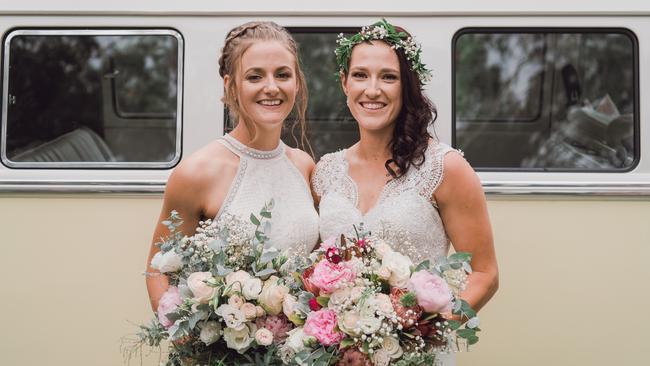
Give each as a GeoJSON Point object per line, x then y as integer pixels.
{"type": "Point", "coordinates": [238, 40]}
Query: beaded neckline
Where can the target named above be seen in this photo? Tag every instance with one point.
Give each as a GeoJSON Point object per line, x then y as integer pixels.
{"type": "Point", "coordinates": [254, 153]}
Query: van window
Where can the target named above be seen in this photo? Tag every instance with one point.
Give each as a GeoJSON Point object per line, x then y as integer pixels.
{"type": "Point", "coordinates": [330, 126]}
{"type": "Point", "coordinates": [550, 100]}
{"type": "Point", "coordinates": [91, 98]}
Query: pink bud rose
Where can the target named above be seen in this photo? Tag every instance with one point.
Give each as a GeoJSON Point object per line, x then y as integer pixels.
{"type": "Point", "coordinates": [328, 276]}
{"type": "Point", "coordinates": [322, 325]}
{"type": "Point", "coordinates": [169, 301]}
{"type": "Point", "coordinates": [431, 291]}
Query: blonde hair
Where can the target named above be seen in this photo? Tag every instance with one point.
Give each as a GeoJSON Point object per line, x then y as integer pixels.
{"type": "Point", "coordinates": [238, 40]}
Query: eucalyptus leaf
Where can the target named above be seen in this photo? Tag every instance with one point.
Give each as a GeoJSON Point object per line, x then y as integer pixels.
{"type": "Point", "coordinates": [265, 272]}
{"type": "Point", "coordinates": [472, 340]}
{"type": "Point", "coordinates": [196, 317]}
{"type": "Point", "coordinates": [454, 324]}
{"type": "Point", "coordinates": [268, 255]}
{"type": "Point", "coordinates": [460, 257]}
{"type": "Point", "coordinates": [426, 264]}
{"type": "Point", "coordinates": [467, 267]}
{"type": "Point", "coordinates": [266, 214]}
{"type": "Point", "coordinates": [465, 333]}
{"type": "Point", "coordinates": [255, 220]}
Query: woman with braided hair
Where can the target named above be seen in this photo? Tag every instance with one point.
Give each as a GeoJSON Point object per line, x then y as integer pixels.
{"type": "Point", "coordinates": [241, 171]}
{"type": "Point", "coordinates": [398, 180]}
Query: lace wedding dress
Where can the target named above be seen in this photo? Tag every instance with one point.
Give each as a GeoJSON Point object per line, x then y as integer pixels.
{"type": "Point", "coordinates": [403, 213]}
{"type": "Point", "coordinates": [265, 175]}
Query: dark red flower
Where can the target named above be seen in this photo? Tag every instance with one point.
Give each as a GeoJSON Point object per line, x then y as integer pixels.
{"type": "Point", "coordinates": [361, 243]}
{"type": "Point", "coordinates": [353, 357]}
{"type": "Point", "coordinates": [408, 315]}
{"type": "Point", "coordinates": [333, 255]}
{"type": "Point", "coordinates": [314, 305]}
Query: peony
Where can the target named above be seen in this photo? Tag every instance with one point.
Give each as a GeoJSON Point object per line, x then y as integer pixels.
{"type": "Point", "coordinates": [272, 295]}
{"type": "Point", "coordinates": [322, 325]}
{"type": "Point", "coordinates": [400, 268]}
{"type": "Point", "coordinates": [210, 333]}
{"type": "Point", "coordinates": [239, 340]}
{"type": "Point", "coordinates": [353, 357]}
{"type": "Point", "coordinates": [200, 289]}
{"type": "Point", "coordinates": [166, 262]}
{"type": "Point", "coordinates": [431, 291]}
{"type": "Point", "coordinates": [252, 288]}
{"type": "Point", "coordinates": [328, 276]}
{"type": "Point", "coordinates": [233, 317]}
{"type": "Point", "coordinates": [264, 337]}
{"type": "Point", "coordinates": [168, 303]}
{"type": "Point", "coordinates": [236, 280]}
{"type": "Point", "coordinates": [249, 310]}
{"type": "Point", "coordinates": [277, 324]}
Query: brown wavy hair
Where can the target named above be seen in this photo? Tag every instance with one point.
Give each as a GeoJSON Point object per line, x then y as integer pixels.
{"type": "Point", "coordinates": [238, 40]}
{"type": "Point", "coordinates": [410, 136]}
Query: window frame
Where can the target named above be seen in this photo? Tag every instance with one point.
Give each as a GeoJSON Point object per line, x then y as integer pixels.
{"type": "Point", "coordinates": [99, 31]}
{"type": "Point", "coordinates": [564, 30]}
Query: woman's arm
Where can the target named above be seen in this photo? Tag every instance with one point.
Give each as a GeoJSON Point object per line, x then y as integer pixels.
{"type": "Point", "coordinates": [464, 214]}
{"type": "Point", "coordinates": [183, 194]}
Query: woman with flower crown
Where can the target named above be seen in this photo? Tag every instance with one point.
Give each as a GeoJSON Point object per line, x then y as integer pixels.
{"type": "Point", "coordinates": [398, 180]}
{"type": "Point", "coordinates": [241, 171]}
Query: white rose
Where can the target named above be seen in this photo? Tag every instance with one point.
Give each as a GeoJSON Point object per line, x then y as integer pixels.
{"type": "Point", "coordinates": [239, 340]}
{"type": "Point", "coordinates": [288, 304]}
{"type": "Point", "coordinates": [356, 293]}
{"type": "Point", "coordinates": [369, 324]}
{"type": "Point", "coordinates": [383, 272]}
{"type": "Point", "coordinates": [235, 301]}
{"type": "Point", "coordinates": [200, 289]}
{"type": "Point", "coordinates": [252, 288]}
{"type": "Point", "coordinates": [264, 337]}
{"type": "Point", "coordinates": [233, 317]}
{"type": "Point", "coordinates": [392, 347]}
{"type": "Point", "coordinates": [211, 332]}
{"type": "Point", "coordinates": [383, 304]}
{"type": "Point", "coordinates": [400, 268]}
{"type": "Point", "coordinates": [235, 280]}
{"type": "Point", "coordinates": [272, 295]}
{"type": "Point", "coordinates": [339, 297]}
{"type": "Point", "coordinates": [349, 323]}
{"type": "Point", "coordinates": [249, 310]}
{"type": "Point", "coordinates": [381, 249]}
{"type": "Point", "coordinates": [167, 262]}
{"type": "Point", "coordinates": [295, 339]}
{"type": "Point", "coordinates": [380, 358]}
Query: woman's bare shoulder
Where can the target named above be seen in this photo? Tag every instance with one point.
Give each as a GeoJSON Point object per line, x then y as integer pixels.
{"type": "Point", "coordinates": [303, 161]}
{"type": "Point", "coordinates": [204, 167]}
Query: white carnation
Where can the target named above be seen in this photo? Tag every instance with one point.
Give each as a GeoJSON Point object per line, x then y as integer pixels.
{"type": "Point", "coordinates": [166, 262]}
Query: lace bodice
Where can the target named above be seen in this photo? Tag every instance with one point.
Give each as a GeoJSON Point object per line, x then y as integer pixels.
{"type": "Point", "coordinates": [265, 175]}
{"type": "Point", "coordinates": [403, 213]}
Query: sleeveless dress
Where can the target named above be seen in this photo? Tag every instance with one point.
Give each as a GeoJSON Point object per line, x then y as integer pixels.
{"type": "Point", "coordinates": [265, 175]}
{"type": "Point", "coordinates": [404, 212]}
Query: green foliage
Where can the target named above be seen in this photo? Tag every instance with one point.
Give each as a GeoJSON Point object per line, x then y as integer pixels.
{"type": "Point", "coordinates": [409, 299]}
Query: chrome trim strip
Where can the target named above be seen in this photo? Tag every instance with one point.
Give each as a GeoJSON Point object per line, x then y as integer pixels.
{"type": "Point", "coordinates": [93, 32]}
{"type": "Point", "coordinates": [491, 188]}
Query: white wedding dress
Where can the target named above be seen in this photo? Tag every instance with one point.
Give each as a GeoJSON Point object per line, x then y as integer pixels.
{"type": "Point", "coordinates": [404, 212]}
{"type": "Point", "coordinates": [265, 175]}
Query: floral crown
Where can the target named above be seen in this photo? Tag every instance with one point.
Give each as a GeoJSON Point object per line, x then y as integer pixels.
{"type": "Point", "coordinates": [382, 30]}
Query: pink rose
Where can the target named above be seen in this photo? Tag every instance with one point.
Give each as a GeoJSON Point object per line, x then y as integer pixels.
{"type": "Point", "coordinates": [201, 290]}
{"type": "Point", "coordinates": [431, 291]}
{"type": "Point", "coordinates": [169, 301]}
{"type": "Point", "coordinates": [322, 325]}
{"type": "Point", "coordinates": [328, 276]}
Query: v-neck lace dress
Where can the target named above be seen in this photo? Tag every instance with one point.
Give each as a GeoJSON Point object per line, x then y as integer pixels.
{"type": "Point", "coordinates": [265, 175]}
{"type": "Point", "coordinates": [403, 212]}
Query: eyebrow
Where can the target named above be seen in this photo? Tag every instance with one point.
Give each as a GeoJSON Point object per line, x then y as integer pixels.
{"type": "Point", "coordinates": [384, 70]}
{"type": "Point", "coordinates": [259, 69]}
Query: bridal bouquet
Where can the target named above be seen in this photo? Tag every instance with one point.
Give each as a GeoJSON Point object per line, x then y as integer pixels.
{"type": "Point", "coordinates": [224, 305]}
{"type": "Point", "coordinates": [362, 303]}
